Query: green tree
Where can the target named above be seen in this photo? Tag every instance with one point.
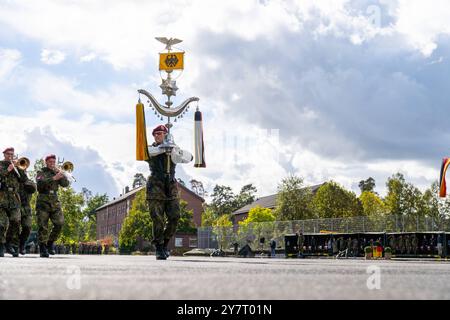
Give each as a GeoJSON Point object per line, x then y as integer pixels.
{"type": "Point", "coordinates": [208, 217]}
{"type": "Point", "coordinates": [138, 180]}
{"type": "Point", "coordinates": [437, 208]}
{"type": "Point", "coordinates": [136, 224]}
{"type": "Point", "coordinates": [333, 201]}
{"type": "Point", "coordinates": [367, 185]}
{"type": "Point", "coordinates": [245, 196]}
{"type": "Point", "coordinates": [258, 214]}
{"type": "Point", "coordinates": [186, 222]}
{"type": "Point", "coordinates": [293, 200]}
{"type": "Point", "coordinates": [223, 228]}
{"type": "Point", "coordinates": [372, 204]}
{"type": "Point", "coordinates": [223, 200]}
{"type": "Point", "coordinates": [93, 202]}
{"type": "Point", "coordinates": [404, 198]}
{"type": "Point", "coordinates": [71, 205]}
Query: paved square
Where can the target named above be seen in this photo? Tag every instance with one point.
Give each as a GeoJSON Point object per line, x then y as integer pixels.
{"type": "Point", "coordinates": [143, 277]}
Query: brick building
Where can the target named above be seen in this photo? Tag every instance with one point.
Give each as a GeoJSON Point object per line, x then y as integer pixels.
{"type": "Point", "coordinates": [110, 216]}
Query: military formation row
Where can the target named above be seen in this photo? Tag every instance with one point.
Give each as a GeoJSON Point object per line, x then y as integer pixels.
{"type": "Point", "coordinates": [16, 190]}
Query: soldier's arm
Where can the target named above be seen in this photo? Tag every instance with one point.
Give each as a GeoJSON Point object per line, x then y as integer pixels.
{"type": "Point", "coordinates": [23, 176]}
{"type": "Point", "coordinates": [64, 182]}
{"type": "Point", "coordinates": [3, 170]}
{"type": "Point", "coordinates": [154, 151]}
{"type": "Point", "coordinates": [43, 181]}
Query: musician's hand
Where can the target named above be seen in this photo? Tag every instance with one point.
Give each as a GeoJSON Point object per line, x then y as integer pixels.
{"type": "Point", "coordinates": [58, 176]}
{"type": "Point", "coordinates": [10, 167]}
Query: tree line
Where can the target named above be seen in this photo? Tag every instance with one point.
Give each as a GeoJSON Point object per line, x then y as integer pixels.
{"type": "Point", "coordinates": [295, 201]}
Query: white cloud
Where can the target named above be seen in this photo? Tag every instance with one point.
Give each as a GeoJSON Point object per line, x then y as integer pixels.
{"type": "Point", "coordinates": [52, 56]}
{"type": "Point", "coordinates": [9, 59]}
{"type": "Point", "coordinates": [339, 82]}
{"type": "Point", "coordinates": [423, 22]}
{"type": "Point", "coordinates": [88, 58]}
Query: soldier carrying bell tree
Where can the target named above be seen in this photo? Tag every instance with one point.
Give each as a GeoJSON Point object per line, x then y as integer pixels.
{"type": "Point", "coordinates": [162, 193]}
{"type": "Point", "coordinates": [10, 178]}
{"type": "Point", "coordinates": [48, 207]}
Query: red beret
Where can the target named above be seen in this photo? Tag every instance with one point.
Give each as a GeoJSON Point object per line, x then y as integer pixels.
{"type": "Point", "coordinates": [159, 128]}
{"type": "Point", "coordinates": [50, 156]}
{"type": "Point", "coordinates": [8, 149]}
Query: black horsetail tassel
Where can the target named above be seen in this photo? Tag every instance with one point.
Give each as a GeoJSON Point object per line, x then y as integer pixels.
{"type": "Point", "coordinates": [199, 145]}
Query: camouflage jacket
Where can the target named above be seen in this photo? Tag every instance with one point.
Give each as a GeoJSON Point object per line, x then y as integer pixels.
{"type": "Point", "coordinates": [47, 187]}
{"type": "Point", "coordinates": [10, 183]}
{"type": "Point", "coordinates": [160, 185]}
{"type": "Point", "coordinates": [26, 191]}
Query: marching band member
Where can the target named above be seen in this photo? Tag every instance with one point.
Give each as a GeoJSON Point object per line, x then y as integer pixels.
{"type": "Point", "coordinates": [162, 190]}
{"type": "Point", "coordinates": [10, 178]}
{"type": "Point", "coordinates": [48, 207]}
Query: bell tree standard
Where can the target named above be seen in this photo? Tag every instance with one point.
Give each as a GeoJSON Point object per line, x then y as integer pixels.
{"type": "Point", "coordinates": [169, 61]}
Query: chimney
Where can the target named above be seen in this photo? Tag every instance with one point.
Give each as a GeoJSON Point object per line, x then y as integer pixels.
{"type": "Point", "coordinates": [127, 189]}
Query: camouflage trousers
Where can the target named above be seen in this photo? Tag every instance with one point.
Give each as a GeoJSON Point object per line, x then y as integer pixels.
{"type": "Point", "coordinates": [9, 225]}
{"type": "Point", "coordinates": [44, 214]}
{"type": "Point", "coordinates": [25, 222]}
{"type": "Point", "coordinates": [165, 215]}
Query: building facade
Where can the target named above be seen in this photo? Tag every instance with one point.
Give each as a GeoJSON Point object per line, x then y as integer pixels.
{"type": "Point", "coordinates": [110, 216]}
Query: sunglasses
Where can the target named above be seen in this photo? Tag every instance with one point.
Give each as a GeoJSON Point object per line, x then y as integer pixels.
{"type": "Point", "coordinates": [158, 133]}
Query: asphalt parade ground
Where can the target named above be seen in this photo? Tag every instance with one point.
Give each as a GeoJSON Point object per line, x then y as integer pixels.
{"type": "Point", "coordinates": [143, 277]}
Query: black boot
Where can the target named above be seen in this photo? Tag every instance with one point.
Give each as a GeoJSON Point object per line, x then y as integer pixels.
{"type": "Point", "coordinates": [22, 249]}
{"type": "Point", "coordinates": [11, 250]}
{"type": "Point", "coordinates": [166, 251]}
{"type": "Point", "coordinates": [43, 250]}
{"type": "Point", "coordinates": [2, 250]}
{"type": "Point", "coordinates": [51, 248]}
{"type": "Point", "coordinates": [160, 255]}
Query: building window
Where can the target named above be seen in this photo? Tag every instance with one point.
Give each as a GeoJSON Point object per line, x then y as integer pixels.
{"type": "Point", "coordinates": [178, 242]}
{"type": "Point", "coordinates": [192, 242]}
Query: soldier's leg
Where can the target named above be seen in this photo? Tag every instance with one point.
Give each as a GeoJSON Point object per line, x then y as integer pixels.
{"type": "Point", "coordinates": [156, 209]}
{"type": "Point", "coordinates": [172, 209]}
{"type": "Point", "coordinates": [4, 223]}
{"type": "Point", "coordinates": [57, 218]}
{"type": "Point", "coordinates": [12, 235]}
{"type": "Point", "coordinates": [26, 223]}
{"type": "Point", "coordinates": [42, 221]}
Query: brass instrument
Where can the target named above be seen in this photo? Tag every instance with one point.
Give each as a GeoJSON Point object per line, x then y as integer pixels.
{"type": "Point", "coordinates": [21, 163]}
{"type": "Point", "coordinates": [66, 168]}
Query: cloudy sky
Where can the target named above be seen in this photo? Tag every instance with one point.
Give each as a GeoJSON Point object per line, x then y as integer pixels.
{"type": "Point", "coordinates": [335, 89]}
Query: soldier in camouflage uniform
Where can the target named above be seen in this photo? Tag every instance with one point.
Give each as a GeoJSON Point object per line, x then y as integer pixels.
{"type": "Point", "coordinates": [10, 179]}
{"type": "Point", "coordinates": [48, 207]}
{"type": "Point", "coordinates": [162, 194]}
{"type": "Point", "coordinates": [26, 191]}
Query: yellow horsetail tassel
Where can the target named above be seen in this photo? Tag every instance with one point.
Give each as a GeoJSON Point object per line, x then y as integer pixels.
{"type": "Point", "coordinates": [141, 134]}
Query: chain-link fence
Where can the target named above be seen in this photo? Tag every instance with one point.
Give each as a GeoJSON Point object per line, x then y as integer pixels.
{"type": "Point", "coordinates": [221, 237]}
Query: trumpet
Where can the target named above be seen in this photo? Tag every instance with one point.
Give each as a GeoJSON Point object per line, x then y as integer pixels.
{"type": "Point", "coordinates": [66, 168]}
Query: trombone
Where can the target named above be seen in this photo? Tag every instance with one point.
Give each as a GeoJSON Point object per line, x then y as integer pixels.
{"type": "Point", "coordinates": [21, 163]}
{"type": "Point", "coordinates": [66, 168]}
